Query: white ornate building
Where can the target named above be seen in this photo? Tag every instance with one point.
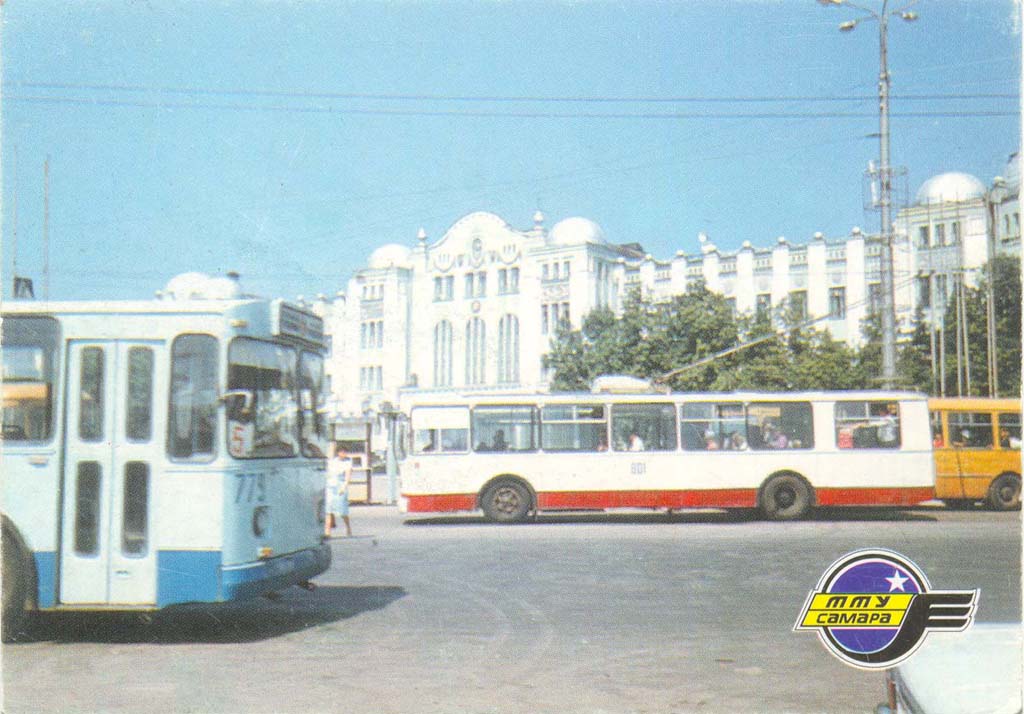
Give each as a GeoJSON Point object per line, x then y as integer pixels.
{"type": "Point", "coordinates": [477, 308]}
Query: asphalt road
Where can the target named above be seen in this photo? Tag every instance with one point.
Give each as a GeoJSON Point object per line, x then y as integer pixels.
{"type": "Point", "coordinates": [595, 613]}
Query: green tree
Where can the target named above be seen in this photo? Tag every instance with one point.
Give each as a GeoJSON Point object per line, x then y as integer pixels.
{"type": "Point", "coordinates": [648, 340]}
{"type": "Point", "coordinates": [971, 364]}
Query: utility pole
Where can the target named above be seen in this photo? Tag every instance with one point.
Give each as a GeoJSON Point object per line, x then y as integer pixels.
{"type": "Point", "coordinates": [990, 304]}
{"type": "Point", "coordinates": [888, 306]}
{"type": "Point", "coordinates": [885, 201]}
{"type": "Point", "coordinates": [46, 229]}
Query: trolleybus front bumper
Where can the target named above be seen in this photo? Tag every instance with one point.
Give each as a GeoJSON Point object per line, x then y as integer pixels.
{"type": "Point", "coordinates": [270, 574]}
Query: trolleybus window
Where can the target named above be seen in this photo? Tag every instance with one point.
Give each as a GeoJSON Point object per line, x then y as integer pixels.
{"type": "Point", "coordinates": [440, 429]}
{"type": "Point", "coordinates": [643, 427]}
{"type": "Point", "coordinates": [1009, 430]}
{"type": "Point", "coordinates": [87, 508]}
{"type": "Point", "coordinates": [311, 404]}
{"type": "Point", "coordinates": [505, 428]}
{"type": "Point", "coordinates": [192, 417]}
{"type": "Point", "coordinates": [90, 396]}
{"type": "Point", "coordinates": [139, 414]}
{"type": "Point", "coordinates": [780, 425]}
{"type": "Point", "coordinates": [29, 369]}
{"type": "Point", "coordinates": [263, 374]}
{"type": "Point", "coordinates": [574, 427]}
{"type": "Point", "coordinates": [971, 429]}
{"type": "Point", "coordinates": [867, 425]}
{"type": "Point", "coordinates": [134, 529]}
{"type": "Point", "coordinates": [708, 427]}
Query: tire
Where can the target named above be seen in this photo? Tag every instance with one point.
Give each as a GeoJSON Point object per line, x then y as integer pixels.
{"type": "Point", "coordinates": [1004, 493]}
{"type": "Point", "coordinates": [506, 502]}
{"type": "Point", "coordinates": [786, 497]}
{"type": "Point", "coordinates": [15, 589]}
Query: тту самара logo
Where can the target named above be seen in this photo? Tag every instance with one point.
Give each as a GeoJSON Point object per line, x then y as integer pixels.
{"type": "Point", "coordinates": [873, 608]}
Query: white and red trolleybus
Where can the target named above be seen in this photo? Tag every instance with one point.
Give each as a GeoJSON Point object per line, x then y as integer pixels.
{"type": "Point", "coordinates": [782, 453]}
{"type": "Point", "coordinates": [159, 452]}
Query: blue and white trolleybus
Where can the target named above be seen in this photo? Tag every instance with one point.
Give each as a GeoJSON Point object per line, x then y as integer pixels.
{"type": "Point", "coordinates": [159, 452]}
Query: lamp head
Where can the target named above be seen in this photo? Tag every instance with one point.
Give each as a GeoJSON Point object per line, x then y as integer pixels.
{"type": "Point", "coordinates": [847, 26]}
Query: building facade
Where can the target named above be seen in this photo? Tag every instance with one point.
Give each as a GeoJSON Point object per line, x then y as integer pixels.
{"type": "Point", "coordinates": [477, 308]}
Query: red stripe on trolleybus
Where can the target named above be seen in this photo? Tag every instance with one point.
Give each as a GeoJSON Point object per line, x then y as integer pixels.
{"type": "Point", "coordinates": [710, 498]}
{"type": "Point", "coordinates": [909, 496]}
{"type": "Point", "coordinates": [442, 502]}
{"type": "Point", "coordinates": [715, 498]}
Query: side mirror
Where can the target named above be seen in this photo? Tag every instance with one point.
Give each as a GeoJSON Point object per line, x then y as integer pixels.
{"type": "Point", "coordinates": [236, 400]}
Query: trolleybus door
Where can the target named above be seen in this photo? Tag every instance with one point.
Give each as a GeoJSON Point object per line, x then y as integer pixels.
{"type": "Point", "coordinates": [116, 402]}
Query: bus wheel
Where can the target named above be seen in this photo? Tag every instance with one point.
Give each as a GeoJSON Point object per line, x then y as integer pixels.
{"type": "Point", "coordinates": [506, 502]}
{"type": "Point", "coordinates": [785, 497]}
{"type": "Point", "coordinates": [1004, 493]}
{"type": "Point", "coordinates": [15, 589]}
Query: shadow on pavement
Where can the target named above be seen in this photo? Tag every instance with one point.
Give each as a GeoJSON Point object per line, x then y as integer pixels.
{"type": "Point", "coordinates": [243, 621]}
{"type": "Point", "coordinates": [687, 516]}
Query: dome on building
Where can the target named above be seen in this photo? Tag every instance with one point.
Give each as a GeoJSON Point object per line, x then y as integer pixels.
{"type": "Point", "coordinates": [391, 255]}
{"type": "Point", "coordinates": [200, 286]}
{"type": "Point", "coordinates": [576, 231]}
{"type": "Point", "coordinates": [950, 188]}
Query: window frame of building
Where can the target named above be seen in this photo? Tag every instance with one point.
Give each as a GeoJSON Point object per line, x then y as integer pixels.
{"type": "Point", "coordinates": [444, 288]}
{"type": "Point", "coordinates": [443, 354]}
{"type": "Point", "coordinates": [798, 304]}
{"type": "Point", "coordinates": [763, 304]}
{"type": "Point", "coordinates": [476, 352]}
{"type": "Point", "coordinates": [508, 349]}
{"type": "Point", "coordinates": [837, 302]}
{"type": "Point", "coordinates": [924, 291]}
{"type": "Point", "coordinates": [874, 298]}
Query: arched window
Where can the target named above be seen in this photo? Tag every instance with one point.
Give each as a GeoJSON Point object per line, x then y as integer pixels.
{"type": "Point", "coordinates": [443, 354]}
{"type": "Point", "coordinates": [508, 350]}
{"type": "Point", "coordinates": [476, 351]}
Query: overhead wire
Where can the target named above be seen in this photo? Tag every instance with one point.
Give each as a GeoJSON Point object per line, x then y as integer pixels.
{"type": "Point", "coordinates": [84, 101]}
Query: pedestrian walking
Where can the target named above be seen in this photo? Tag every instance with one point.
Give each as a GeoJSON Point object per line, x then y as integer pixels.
{"type": "Point", "coordinates": [339, 477]}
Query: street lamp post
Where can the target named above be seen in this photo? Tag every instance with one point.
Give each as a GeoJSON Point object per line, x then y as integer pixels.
{"type": "Point", "coordinates": [888, 306]}
{"type": "Point", "coordinates": [391, 416]}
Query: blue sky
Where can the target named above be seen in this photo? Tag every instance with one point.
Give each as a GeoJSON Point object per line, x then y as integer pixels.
{"type": "Point", "coordinates": [287, 140]}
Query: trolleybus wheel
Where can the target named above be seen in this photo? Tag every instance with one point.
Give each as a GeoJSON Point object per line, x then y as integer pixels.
{"type": "Point", "coordinates": [785, 497]}
{"type": "Point", "coordinates": [506, 502]}
{"type": "Point", "coordinates": [15, 589]}
{"type": "Point", "coordinates": [1004, 493]}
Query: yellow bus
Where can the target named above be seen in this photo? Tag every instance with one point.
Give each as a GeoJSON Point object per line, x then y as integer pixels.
{"type": "Point", "coordinates": [977, 451]}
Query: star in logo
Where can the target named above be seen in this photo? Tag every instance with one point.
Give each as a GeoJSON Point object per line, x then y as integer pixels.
{"type": "Point", "coordinates": [896, 581]}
